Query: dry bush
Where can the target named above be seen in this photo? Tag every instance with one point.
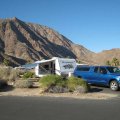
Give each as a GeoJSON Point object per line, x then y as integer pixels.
{"type": "Point", "coordinates": [13, 75]}
{"type": "Point", "coordinates": [4, 73]}
{"type": "Point", "coordinates": [23, 84]}
{"type": "Point", "coordinates": [8, 73]}
{"type": "Point", "coordinates": [77, 85]}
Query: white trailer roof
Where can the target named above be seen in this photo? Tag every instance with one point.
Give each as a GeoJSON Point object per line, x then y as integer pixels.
{"type": "Point", "coordinates": [44, 61]}
{"type": "Point", "coordinates": [54, 58]}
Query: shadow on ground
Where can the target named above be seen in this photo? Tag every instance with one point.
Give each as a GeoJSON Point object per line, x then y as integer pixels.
{"type": "Point", "coordinates": [95, 90]}
{"type": "Point", "coordinates": [7, 88]}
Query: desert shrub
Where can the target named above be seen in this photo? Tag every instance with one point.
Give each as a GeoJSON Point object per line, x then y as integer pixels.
{"type": "Point", "coordinates": [58, 84]}
{"type": "Point", "coordinates": [52, 80]}
{"type": "Point", "coordinates": [20, 72]}
{"type": "Point", "coordinates": [28, 74]}
{"type": "Point", "coordinates": [6, 62]}
{"type": "Point", "coordinates": [77, 85]}
{"type": "Point", "coordinates": [23, 84]}
{"type": "Point", "coordinates": [8, 73]}
{"type": "Point", "coordinates": [4, 73]}
{"type": "Point", "coordinates": [81, 89]}
{"type": "Point", "coordinates": [3, 84]}
{"type": "Point", "coordinates": [57, 89]}
{"type": "Point", "coordinates": [14, 74]}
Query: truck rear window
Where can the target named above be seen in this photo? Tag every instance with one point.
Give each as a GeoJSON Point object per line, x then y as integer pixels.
{"type": "Point", "coordinates": [83, 68]}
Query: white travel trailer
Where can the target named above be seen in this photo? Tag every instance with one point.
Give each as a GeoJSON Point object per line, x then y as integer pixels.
{"type": "Point", "coordinates": [59, 66]}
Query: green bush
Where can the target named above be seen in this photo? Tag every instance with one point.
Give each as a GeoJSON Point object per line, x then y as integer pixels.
{"type": "Point", "coordinates": [52, 80]}
{"type": "Point", "coordinates": [6, 62]}
{"type": "Point", "coordinates": [58, 84]}
{"type": "Point", "coordinates": [23, 84]}
{"type": "Point", "coordinates": [73, 83]}
{"type": "Point", "coordinates": [28, 74]}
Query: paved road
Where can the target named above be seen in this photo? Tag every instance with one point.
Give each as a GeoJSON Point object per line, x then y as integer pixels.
{"type": "Point", "coordinates": [45, 108]}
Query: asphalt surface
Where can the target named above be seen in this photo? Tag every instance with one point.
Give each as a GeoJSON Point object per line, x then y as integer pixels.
{"type": "Point", "coordinates": [47, 108]}
{"type": "Point", "coordinates": [103, 89]}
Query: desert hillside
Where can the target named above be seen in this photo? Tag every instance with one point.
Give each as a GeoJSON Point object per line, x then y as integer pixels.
{"type": "Point", "coordinates": [22, 42]}
{"type": "Point", "coordinates": [31, 42]}
{"type": "Point", "coordinates": [106, 55]}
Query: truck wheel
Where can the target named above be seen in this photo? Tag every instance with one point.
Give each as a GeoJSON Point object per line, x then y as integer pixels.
{"type": "Point", "coordinates": [114, 85]}
{"type": "Point", "coordinates": [79, 77]}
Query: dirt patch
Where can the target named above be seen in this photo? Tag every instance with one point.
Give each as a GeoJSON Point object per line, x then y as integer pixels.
{"type": "Point", "coordinates": [83, 96]}
{"type": "Point", "coordinates": [38, 92]}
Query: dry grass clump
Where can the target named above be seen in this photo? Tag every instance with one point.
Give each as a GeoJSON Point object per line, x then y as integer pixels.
{"type": "Point", "coordinates": [8, 73]}
{"type": "Point", "coordinates": [23, 84]}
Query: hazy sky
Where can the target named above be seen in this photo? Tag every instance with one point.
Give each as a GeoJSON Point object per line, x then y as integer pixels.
{"type": "Point", "coordinates": [94, 24]}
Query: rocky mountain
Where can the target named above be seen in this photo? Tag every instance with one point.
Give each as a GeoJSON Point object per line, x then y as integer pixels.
{"type": "Point", "coordinates": [31, 42]}
{"type": "Point", "coordinates": [106, 55]}
{"type": "Point", "coordinates": [22, 42]}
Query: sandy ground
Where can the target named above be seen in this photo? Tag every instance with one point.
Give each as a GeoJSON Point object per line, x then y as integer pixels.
{"type": "Point", "coordinates": [38, 92]}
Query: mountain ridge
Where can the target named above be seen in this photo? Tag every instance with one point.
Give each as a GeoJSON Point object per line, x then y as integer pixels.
{"type": "Point", "coordinates": [30, 42]}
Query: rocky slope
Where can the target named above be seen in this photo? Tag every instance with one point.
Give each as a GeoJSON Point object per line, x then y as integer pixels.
{"type": "Point", "coordinates": [31, 42]}
{"type": "Point", "coordinates": [106, 55]}
{"type": "Point", "coordinates": [22, 42]}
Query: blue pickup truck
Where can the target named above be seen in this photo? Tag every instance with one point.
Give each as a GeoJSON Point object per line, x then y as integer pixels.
{"type": "Point", "coordinates": [99, 75]}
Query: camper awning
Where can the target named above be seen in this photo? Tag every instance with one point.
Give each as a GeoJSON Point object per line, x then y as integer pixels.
{"type": "Point", "coordinates": [44, 61]}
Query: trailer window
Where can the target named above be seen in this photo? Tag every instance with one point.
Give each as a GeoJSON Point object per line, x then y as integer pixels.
{"type": "Point", "coordinates": [46, 67]}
